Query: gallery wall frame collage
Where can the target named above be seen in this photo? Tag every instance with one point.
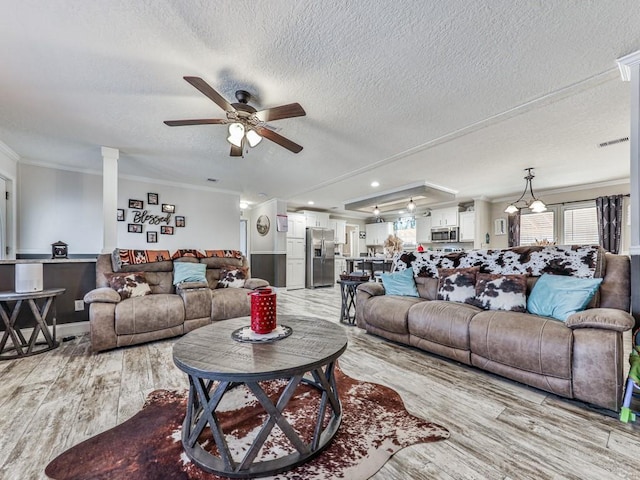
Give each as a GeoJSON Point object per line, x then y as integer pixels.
{"type": "Point", "coordinates": [141, 216]}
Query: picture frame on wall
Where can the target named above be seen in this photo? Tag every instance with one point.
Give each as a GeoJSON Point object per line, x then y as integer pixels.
{"type": "Point", "coordinates": [500, 226]}
{"type": "Point", "coordinates": [121, 214]}
{"type": "Point", "coordinates": [168, 208]}
{"type": "Point", "coordinates": [152, 199]}
{"type": "Point", "coordinates": [180, 221]}
{"type": "Point", "coordinates": [134, 228]}
{"type": "Point", "coordinates": [152, 237]}
{"type": "Point", "coordinates": [166, 230]}
{"type": "Point", "coordinates": [136, 204]}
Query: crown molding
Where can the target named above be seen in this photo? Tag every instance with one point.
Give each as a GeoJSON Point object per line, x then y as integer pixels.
{"type": "Point", "coordinates": [625, 63]}
{"type": "Point", "coordinates": [9, 152]}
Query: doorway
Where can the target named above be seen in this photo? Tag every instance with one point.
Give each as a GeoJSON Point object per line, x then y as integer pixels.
{"type": "Point", "coordinates": [3, 219]}
{"type": "Point", "coordinates": [353, 240]}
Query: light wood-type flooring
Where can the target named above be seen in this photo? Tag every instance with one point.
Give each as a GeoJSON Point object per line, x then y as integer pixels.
{"type": "Point", "coordinates": [499, 429]}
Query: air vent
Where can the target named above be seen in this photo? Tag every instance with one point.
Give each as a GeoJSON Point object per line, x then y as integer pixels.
{"type": "Point", "coordinates": [213, 180]}
{"type": "Point", "coordinates": [613, 142]}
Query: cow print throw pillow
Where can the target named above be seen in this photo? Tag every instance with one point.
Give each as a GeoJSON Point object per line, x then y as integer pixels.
{"type": "Point", "coordinates": [233, 277]}
{"type": "Point", "coordinates": [130, 284]}
{"type": "Point", "coordinates": [457, 284]}
{"type": "Point", "coordinates": [501, 292]}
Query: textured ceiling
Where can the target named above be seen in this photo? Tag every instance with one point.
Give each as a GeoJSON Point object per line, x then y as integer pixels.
{"type": "Point", "coordinates": [458, 94]}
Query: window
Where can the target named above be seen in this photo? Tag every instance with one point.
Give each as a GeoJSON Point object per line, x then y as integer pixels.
{"type": "Point", "coordinates": [405, 229]}
{"type": "Point", "coordinates": [537, 227]}
{"type": "Point", "coordinates": [580, 224]}
{"type": "Point", "coordinates": [571, 224]}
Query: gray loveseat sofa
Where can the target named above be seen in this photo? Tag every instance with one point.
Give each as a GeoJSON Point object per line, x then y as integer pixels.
{"type": "Point", "coordinates": [169, 310]}
{"type": "Point", "coordinates": [581, 358]}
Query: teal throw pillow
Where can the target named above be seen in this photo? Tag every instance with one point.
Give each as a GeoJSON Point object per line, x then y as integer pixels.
{"type": "Point", "coordinates": [400, 283]}
{"type": "Point", "coordinates": [559, 296]}
{"type": "Point", "coordinates": [188, 272]}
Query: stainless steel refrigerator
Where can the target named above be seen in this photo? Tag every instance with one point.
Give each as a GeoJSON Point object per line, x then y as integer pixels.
{"type": "Point", "coordinates": [320, 258]}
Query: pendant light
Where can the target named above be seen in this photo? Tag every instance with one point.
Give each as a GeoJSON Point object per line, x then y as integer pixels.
{"type": "Point", "coordinates": [411, 206]}
{"type": "Point", "coordinates": [376, 211]}
{"type": "Point", "coordinates": [534, 204]}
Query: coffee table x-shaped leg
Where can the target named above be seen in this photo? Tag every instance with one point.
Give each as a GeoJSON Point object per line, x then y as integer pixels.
{"type": "Point", "coordinates": [205, 396]}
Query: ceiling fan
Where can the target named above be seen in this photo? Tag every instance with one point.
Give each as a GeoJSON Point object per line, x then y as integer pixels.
{"type": "Point", "coordinates": [246, 124]}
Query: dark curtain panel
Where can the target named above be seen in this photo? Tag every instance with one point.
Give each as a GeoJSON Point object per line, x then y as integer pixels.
{"type": "Point", "coordinates": [610, 222]}
{"type": "Point", "coordinates": [514, 229]}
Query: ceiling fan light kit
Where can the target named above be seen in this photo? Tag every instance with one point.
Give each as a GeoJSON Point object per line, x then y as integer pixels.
{"type": "Point", "coordinates": [245, 122]}
{"type": "Point", "coordinates": [534, 204]}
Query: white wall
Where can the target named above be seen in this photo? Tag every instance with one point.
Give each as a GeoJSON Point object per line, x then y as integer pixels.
{"type": "Point", "coordinates": [64, 205]}
{"type": "Point", "coordinates": [58, 205]}
{"type": "Point", "coordinates": [273, 241]}
{"type": "Point", "coordinates": [212, 218]}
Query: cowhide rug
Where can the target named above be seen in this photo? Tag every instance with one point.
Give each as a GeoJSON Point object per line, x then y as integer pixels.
{"type": "Point", "coordinates": [148, 446]}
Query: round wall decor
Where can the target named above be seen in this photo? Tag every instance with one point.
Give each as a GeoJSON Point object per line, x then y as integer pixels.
{"type": "Point", "coordinates": [263, 224]}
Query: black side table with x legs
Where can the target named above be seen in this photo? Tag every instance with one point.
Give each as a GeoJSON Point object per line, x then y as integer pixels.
{"type": "Point", "coordinates": [348, 293]}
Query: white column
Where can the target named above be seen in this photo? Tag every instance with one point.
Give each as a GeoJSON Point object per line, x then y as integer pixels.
{"type": "Point", "coordinates": [109, 198]}
{"type": "Point", "coordinates": [630, 71]}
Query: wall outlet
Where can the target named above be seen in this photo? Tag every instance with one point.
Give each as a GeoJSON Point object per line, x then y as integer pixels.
{"type": "Point", "coordinates": [79, 305]}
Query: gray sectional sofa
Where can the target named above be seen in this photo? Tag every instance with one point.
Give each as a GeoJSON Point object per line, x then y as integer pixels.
{"type": "Point", "coordinates": [169, 310]}
{"type": "Point", "coordinates": [581, 358]}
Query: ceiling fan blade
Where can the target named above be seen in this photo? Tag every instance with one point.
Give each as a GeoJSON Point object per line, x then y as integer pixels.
{"type": "Point", "coordinates": [236, 151]}
{"type": "Point", "coordinates": [206, 89]}
{"type": "Point", "coordinates": [202, 121]}
{"type": "Point", "coordinates": [279, 139]}
{"type": "Point", "coordinates": [284, 111]}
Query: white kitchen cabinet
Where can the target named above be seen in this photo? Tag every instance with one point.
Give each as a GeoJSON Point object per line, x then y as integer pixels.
{"type": "Point", "coordinates": [444, 217]}
{"type": "Point", "coordinates": [423, 229]}
{"type": "Point", "coordinates": [295, 273]}
{"type": "Point", "coordinates": [339, 228]}
{"type": "Point", "coordinates": [295, 248]}
{"type": "Point", "coordinates": [295, 263]}
{"type": "Point", "coordinates": [467, 226]}
{"type": "Point", "coordinates": [296, 225]}
{"type": "Point", "coordinates": [316, 219]}
{"type": "Point", "coordinates": [377, 233]}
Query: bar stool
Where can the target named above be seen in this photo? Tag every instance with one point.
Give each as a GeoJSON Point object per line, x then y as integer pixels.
{"type": "Point", "coordinates": [377, 269]}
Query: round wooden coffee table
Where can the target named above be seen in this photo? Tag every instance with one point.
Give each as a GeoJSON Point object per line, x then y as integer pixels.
{"type": "Point", "coordinates": [216, 364]}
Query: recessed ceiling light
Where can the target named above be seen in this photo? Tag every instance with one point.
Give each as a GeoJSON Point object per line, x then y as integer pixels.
{"type": "Point", "coordinates": [214, 180]}
{"type": "Point", "coordinates": [375, 184]}
{"type": "Point", "coordinates": [310, 202]}
{"type": "Point", "coordinates": [243, 205]}
{"type": "Point", "coordinates": [401, 212]}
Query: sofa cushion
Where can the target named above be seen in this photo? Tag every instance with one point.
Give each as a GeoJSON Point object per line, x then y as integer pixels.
{"type": "Point", "coordinates": [442, 322]}
{"type": "Point", "coordinates": [524, 341]}
{"type": "Point", "coordinates": [149, 313]}
{"type": "Point", "coordinates": [457, 284]}
{"type": "Point", "coordinates": [389, 312]}
{"type": "Point", "coordinates": [130, 284]}
{"type": "Point", "coordinates": [188, 253]}
{"type": "Point", "coordinates": [559, 296]}
{"type": "Point", "coordinates": [230, 303]}
{"type": "Point", "coordinates": [501, 292]}
{"type": "Point", "coordinates": [399, 283]}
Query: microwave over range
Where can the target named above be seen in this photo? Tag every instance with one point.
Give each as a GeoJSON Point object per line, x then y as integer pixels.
{"type": "Point", "coordinates": [445, 234]}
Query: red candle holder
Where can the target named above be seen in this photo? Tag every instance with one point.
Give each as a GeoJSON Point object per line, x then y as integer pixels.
{"type": "Point", "coordinates": [263, 310]}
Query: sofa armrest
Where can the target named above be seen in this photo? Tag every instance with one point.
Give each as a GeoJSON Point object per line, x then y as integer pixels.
{"type": "Point", "coordinates": [190, 286]}
{"type": "Point", "coordinates": [372, 288]}
{"type": "Point", "coordinates": [196, 298]}
{"type": "Point", "coordinates": [253, 283]}
{"type": "Point", "coordinates": [102, 294]}
{"type": "Point", "coordinates": [604, 318]}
